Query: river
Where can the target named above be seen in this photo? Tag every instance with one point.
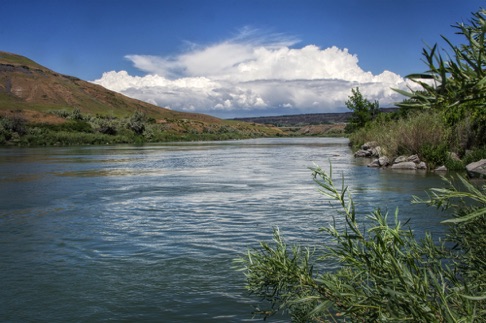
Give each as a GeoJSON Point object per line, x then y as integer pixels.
{"type": "Point", "coordinates": [149, 233]}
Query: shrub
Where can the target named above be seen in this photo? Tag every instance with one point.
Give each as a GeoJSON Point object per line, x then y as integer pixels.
{"type": "Point", "coordinates": [474, 155]}
{"type": "Point", "coordinates": [13, 123]}
{"type": "Point", "coordinates": [107, 127]}
{"type": "Point", "coordinates": [136, 123]}
{"type": "Point", "coordinates": [76, 115]}
{"type": "Point", "coordinates": [434, 155]}
{"type": "Point", "coordinates": [70, 126]}
{"type": "Point", "coordinates": [385, 273]}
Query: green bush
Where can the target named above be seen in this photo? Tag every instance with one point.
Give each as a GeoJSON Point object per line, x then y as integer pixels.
{"type": "Point", "coordinates": [64, 138]}
{"type": "Point", "coordinates": [136, 123]}
{"type": "Point", "coordinates": [434, 155]}
{"type": "Point", "coordinates": [385, 273]}
{"type": "Point", "coordinates": [13, 123]}
{"type": "Point", "coordinates": [455, 165]}
{"type": "Point", "coordinates": [76, 115]}
{"type": "Point", "coordinates": [363, 111]}
{"type": "Point", "coordinates": [70, 126]}
{"type": "Point", "coordinates": [474, 155]}
{"type": "Point", "coordinates": [107, 127]}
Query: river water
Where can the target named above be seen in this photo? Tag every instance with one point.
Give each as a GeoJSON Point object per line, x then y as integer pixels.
{"type": "Point", "coordinates": [149, 233]}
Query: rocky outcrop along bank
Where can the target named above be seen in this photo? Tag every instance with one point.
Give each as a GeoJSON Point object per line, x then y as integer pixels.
{"type": "Point", "coordinates": [373, 150]}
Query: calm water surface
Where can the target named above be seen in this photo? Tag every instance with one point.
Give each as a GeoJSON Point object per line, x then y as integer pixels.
{"type": "Point", "coordinates": [149, 233]}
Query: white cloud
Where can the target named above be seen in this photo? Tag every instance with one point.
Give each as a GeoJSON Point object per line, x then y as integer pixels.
{"type": "Point", "coordinates": [250, 75]}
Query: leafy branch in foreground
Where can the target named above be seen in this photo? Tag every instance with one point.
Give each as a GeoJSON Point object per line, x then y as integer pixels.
{"type": "Point", "coordinates": [384, 274]}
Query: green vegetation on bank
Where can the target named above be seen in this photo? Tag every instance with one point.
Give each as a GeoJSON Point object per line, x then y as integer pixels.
{"type": "Point", "coordinates": [76, 128]}
{"type": "Point", "coordinates": [447, 113]}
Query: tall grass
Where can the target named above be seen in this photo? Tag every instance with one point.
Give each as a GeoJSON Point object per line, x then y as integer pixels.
{"type": "Point", "coordinates": [408, 135]}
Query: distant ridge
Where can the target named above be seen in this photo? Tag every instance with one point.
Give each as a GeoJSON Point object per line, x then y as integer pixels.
{"type": "Point", "coordinates": [305, 119]}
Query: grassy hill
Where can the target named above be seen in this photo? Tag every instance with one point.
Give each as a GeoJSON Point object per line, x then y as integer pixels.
{"type": "Point", "coordinates": [24, 84]}
{"type": "Point", "coordinates": [40, 98]}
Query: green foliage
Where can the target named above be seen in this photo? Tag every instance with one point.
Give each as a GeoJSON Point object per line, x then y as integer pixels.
{"type": "Point", "coordinates": [456, 85]}
{"type": "Point", "coordinates": [11, 124]}
{"type": "Point", "coordinates": [475, 155]}
{"type": "Point", "coordinates": [407, 135]}
{"type": "Point", "coordinates": [363, 111]}
{"type": "Point", "coordinates": [468, 231]}
{"type": "Point", "coordinates": [435, 155]}
{"type": "Point", "coordinates": [385, 273]}
{"type": "Point", "coordinates": [136, 123]}
{"type": "Point", "coordinates": [76, 115]}
{"type": "Point", "coordinates": [70, 126]}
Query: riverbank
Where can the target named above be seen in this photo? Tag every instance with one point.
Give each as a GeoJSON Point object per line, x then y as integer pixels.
{"type": "Point", "coordinates": [71, 127]}
{"type": "Point", "coordinates": [475, 168]}
{"type": "Point", "coordinates": [420, 137]}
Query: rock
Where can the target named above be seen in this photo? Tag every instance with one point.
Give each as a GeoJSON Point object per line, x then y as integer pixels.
{"type": "Point", "coordinates": [374, 163]}
{"type": "Point", "coordinates": [369, 149]}
{"type": "Point", "coordinates": [376, 151]}
{"type": "Point", "coordinates": [362, 153]}
{"type": "Point", "coordinates": [383, 161]}
{"type": "Point", "coordinates": [400, 159]}
{"type": "Point", "coordinates": [405, 165]}
{"type": "Point", "coordinates": [477, 169]}
{"type": "Point", "coordinates": [369, 145]}
{"type": "Point", "coordinates": [441, 169]}
{"type": "Point", "coordinates": [414, 158]}
{"type": "Point", "coordinates": [422, 165]}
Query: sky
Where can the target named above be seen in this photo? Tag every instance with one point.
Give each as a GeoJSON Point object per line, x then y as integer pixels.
{"type": "Point", "coordinates": [236, 58]}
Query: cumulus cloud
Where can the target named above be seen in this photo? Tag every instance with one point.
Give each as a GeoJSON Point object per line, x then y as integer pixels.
{"type": "Point", "coordinates": [253, 75]}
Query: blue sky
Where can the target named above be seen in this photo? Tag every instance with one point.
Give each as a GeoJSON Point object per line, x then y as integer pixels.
{"type": "Point", "coordinates": [233, 58]}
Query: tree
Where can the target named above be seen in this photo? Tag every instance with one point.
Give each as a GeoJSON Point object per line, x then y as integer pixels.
{"type": "Point", "coordinates": [363, 110]}
{"type": "Point", "coordinates": [385, 274]}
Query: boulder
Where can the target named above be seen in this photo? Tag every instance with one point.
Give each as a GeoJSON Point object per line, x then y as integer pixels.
{"type": "Point", "coordinates": [441, 169]}
{"type": "Point", "coordinates": [362, 153]}
{"type": "Point", "coordinates": [400, 159]}
{"type": "Point", "coordinates": [374, 163]}
{"type": "Point", "coordinates": [405, 165]}
{"type": "Point", "coordinates": [376, 151]}
{"type": "Point", "coordinates": [414, 158]}
{"type": "Point", "coordinates": [369, 145]}
{"type": "Point", "coordinates": [383, 161]}
{"type": "Point", "coordinates": [369, 149]}
{"type": "Point", "coordinates": [477, 169]}
{"type": "Point", "coordinates": [422, 165]}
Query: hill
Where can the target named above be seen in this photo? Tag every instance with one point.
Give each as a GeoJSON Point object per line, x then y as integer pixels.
{"type": "Point", "coordinates": [38, 96]}
{"type": "Point", "coordinates": [24, 84]}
